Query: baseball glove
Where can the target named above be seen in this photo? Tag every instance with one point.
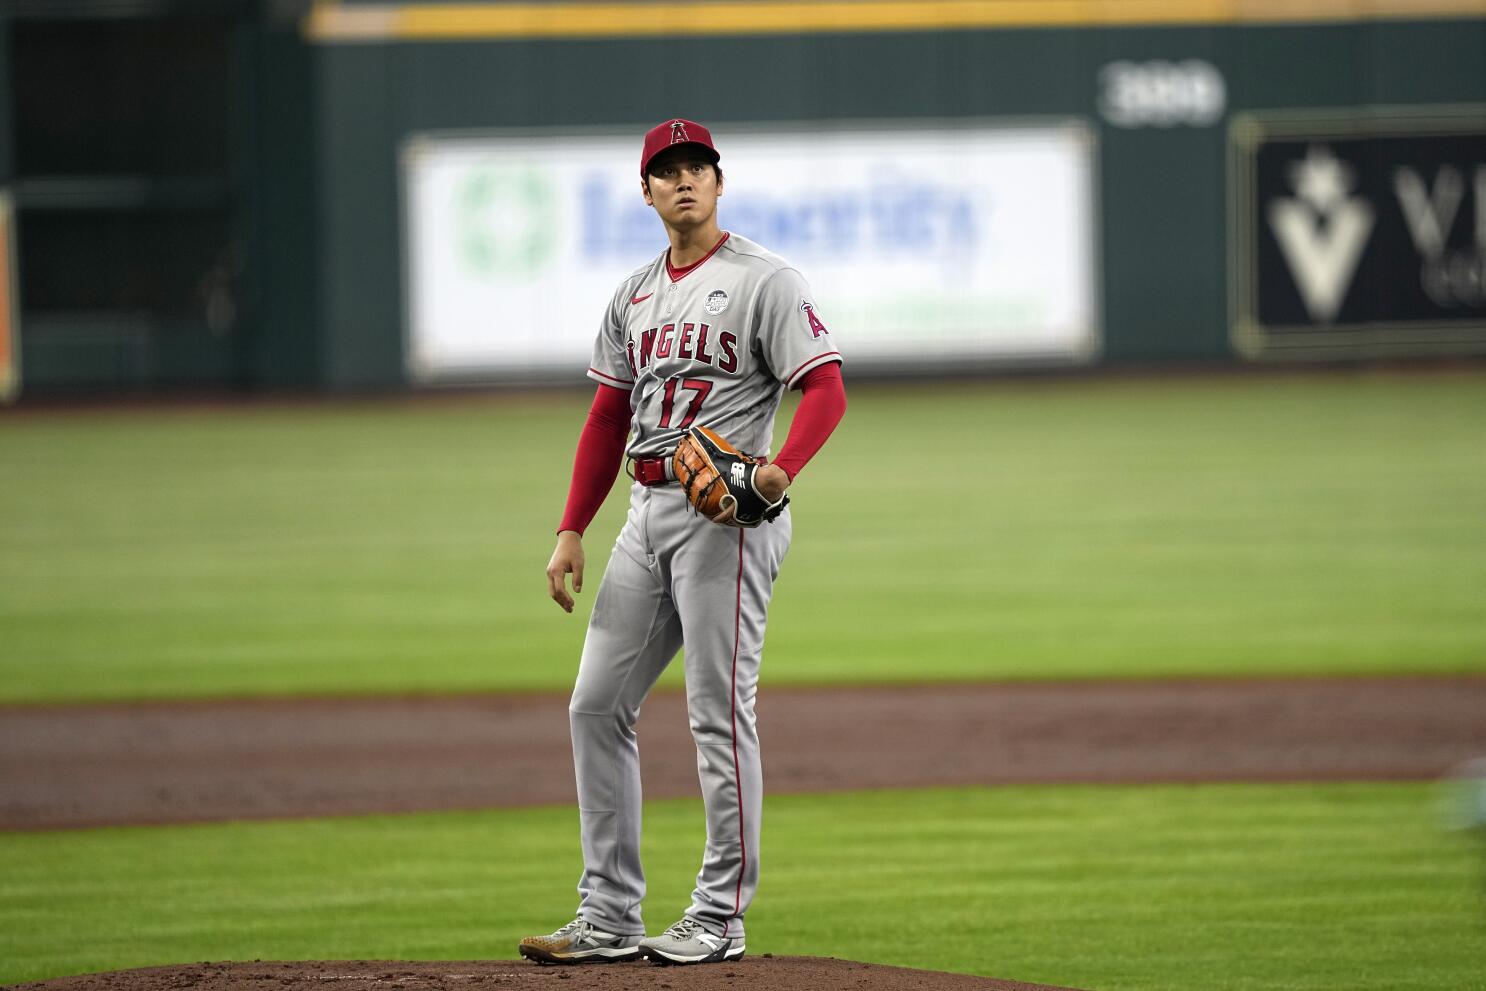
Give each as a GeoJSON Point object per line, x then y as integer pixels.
{"type": "Point", "coordinates": [718, 478]}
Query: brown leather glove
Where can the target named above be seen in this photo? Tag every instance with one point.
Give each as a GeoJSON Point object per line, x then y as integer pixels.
{"type": "Point", "coordinates": [719, 481]}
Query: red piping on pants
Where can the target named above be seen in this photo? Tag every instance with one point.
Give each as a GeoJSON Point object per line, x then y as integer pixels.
{"type": "Point", "coordinates": [737, 775]}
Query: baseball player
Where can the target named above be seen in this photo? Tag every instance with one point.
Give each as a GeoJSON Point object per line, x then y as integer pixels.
{"type": "Point", "coordinates": [708, 334]}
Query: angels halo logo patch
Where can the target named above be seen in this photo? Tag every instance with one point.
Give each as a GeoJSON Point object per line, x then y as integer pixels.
{"type": "Point", "coordinates": [717, 301]}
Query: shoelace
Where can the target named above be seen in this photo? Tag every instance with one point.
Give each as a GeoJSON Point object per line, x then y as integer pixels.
{"type": "Point", "coordinates": [684, 929]}
{"type": "Point", "coordinates": [578, 926]}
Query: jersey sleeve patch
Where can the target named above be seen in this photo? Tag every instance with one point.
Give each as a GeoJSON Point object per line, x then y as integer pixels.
{"type": "Point", "coordinates": [817, 328]}
{"type": "Point", "coordinates": [792, 336]}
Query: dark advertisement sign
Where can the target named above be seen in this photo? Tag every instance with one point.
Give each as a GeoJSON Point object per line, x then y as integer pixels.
{"type": "Point", "coordinates": [1361, 236]}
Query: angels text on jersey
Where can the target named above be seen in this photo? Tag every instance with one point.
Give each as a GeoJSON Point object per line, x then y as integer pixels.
{"type": "Point", "coordinates": [713, 344]}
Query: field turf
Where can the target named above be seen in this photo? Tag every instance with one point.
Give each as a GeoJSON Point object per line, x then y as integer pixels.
{"type": "Point", "coordinates": [1230, 525]}
{"type": "Point", "coordinates": [1276, 887]}
{"type": "Point", "coordinates": [1264, 524]}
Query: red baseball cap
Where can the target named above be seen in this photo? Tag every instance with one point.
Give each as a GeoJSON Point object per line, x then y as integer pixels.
{"type": "Point", "coordinates": [675, 132]}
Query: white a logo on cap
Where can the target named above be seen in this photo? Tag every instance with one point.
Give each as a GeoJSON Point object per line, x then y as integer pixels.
{"type": "Point", "coordinates": [678, 132]}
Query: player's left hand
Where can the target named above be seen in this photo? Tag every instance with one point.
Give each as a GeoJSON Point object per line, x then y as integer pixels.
{"type": "Point", "coordinates": [771, 482]}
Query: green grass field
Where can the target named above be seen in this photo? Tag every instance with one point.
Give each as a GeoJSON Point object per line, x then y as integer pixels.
{"type": "Point", "coordinates": [1231, 525]}
{"type": "Point", "coordinates": [1167, 887]}
{"type": "Point", "coordinates": [1268, 524]}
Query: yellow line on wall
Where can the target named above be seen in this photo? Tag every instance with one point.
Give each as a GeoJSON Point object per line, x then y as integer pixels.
{"type": "Point", "coordinates": [329, 21]}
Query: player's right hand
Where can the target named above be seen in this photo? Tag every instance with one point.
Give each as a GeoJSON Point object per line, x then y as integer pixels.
{"type": "Point", "coordinates": [566, 560]}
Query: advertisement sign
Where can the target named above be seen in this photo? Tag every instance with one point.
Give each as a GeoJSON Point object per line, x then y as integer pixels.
{"type": "Point", "coordinates": [928, 246]}
{"type": "Point", "coordinates": [1358, 237]}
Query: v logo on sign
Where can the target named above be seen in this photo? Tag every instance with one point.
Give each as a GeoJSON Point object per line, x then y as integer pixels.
{"type": "Point", "coordinates": [1322, 231]}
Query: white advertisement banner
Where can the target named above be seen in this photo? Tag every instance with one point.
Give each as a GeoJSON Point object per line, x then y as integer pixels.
{"type": "Point", "coordinates": [925, 246]}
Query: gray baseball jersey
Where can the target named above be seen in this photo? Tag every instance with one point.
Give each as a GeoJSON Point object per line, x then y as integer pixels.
{"type": "Point", "coordinates": [715, 345]}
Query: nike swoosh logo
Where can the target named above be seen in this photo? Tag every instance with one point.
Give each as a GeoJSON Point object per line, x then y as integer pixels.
{"type": "Point", "coordinates": [641, 299]}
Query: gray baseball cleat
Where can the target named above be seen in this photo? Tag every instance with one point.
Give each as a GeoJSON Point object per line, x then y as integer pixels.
{"type": "Point", "coordinates": [580, 942]}
{"type": "Point", "coordinates": [688, 942]}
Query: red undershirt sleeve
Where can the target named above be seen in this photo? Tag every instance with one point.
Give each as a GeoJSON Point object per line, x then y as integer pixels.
{"type": "Point", "coordinates": [600, 453]}
{"type": "Point", "coordinates": [821, 408]}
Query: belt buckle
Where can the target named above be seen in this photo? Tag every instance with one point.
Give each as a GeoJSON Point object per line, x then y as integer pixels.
{"type": "Point", "coordinates": [649, 471]}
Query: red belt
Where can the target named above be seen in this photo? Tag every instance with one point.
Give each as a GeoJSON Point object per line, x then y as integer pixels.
{"type": "Point", "coordinates": [652, 471]}
{"type": "Point", "coordinates": [659, 471]}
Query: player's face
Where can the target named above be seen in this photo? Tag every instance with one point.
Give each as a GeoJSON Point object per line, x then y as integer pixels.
{"type": "Point", "coordinates": [683, 189]}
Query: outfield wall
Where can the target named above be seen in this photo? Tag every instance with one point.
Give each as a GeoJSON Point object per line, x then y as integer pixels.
{"type": "Point", "coordinates": [1173, 112]}
{"type": "Point", "coordinates": [1244, 192]}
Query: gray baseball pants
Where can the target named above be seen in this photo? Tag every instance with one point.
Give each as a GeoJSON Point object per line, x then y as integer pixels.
{"type": "Point", "coordinates": [674, 578]}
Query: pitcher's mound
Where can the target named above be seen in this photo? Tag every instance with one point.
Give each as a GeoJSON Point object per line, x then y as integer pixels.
{"type": "Point", "coordinates": [764, 972]}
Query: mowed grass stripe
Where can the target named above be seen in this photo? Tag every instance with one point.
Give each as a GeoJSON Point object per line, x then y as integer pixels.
{"type": "Point", "coordinates": [1161, 887]}
{"type": "Point", "coordinates": [1022, 529]}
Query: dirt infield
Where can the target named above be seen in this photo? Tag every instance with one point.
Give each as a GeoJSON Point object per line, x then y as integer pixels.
{"type": "Point", "coordinates": [79, 766]}
{"type": "Point", "coordinates": [768, 972]}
